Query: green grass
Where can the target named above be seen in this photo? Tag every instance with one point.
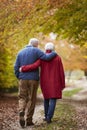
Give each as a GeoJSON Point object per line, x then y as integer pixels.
{"type": "Point", "coordinates": [64, 118]}
{"type": "Point", "coordinates": [39, 90]}
{"type": "Point", "coordinates": [70, 93]}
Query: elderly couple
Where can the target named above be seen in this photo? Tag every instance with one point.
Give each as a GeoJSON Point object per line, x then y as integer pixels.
{"type": "Point", "coordinates": [52, 80]}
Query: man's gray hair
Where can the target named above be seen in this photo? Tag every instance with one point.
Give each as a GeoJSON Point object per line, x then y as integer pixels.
{"type": "Point", "coordinates": [33, 41]}
{"type": "Point", "coordinates": [49, 46]}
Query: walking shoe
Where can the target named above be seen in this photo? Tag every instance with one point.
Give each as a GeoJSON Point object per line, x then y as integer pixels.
{"type": "Point", "coordinates": [48, 121]}
{"type": "Point", "coordinates": [21, 119]}
{"type": "Point", "coordinates": [44, 119]}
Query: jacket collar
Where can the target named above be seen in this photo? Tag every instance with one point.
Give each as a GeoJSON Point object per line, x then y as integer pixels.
{"type": "Point", "coordinates": [28, 46]}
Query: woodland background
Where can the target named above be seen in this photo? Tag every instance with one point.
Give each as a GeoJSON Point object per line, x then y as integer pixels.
{"type": "Point", "coordinates": [63, 22]}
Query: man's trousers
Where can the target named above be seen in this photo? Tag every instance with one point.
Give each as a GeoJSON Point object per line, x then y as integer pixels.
{"type": "Point", "coordinates": [27, 97]}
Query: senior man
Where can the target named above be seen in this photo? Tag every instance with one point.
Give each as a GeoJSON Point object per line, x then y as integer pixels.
{"type": "Point", "coordinates": [28, 81]}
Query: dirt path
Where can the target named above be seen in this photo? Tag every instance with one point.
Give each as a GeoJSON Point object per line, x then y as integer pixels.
{"type": "Point", "coordinates": [81, 116]}
{"type": "Point", "coordinates": [9, 111]}
{"type": "Point", "coordinates": [81, 112]}
{"type": "Point", "coordinates": [9, 114]}
{"type": "Point", "coordinates": [79, 101]}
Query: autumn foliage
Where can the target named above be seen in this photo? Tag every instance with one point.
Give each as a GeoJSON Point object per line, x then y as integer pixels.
{"type": "Point", "coordinates": [23, 19]}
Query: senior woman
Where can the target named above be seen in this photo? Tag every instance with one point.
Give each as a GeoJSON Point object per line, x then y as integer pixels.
{"type": "Point", "coordinates": [52, 80]}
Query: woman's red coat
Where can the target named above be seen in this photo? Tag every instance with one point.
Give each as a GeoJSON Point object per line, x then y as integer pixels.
{"type": "Point", "coordinates": [52, 78]}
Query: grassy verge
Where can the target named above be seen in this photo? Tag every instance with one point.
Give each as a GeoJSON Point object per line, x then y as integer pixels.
{"type": "Point", "coordinates": [64, 119]}
{"type": "Point", "coordinates": [70, 93]}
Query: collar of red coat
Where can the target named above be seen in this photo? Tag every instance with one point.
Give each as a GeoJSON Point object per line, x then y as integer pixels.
{"type": "Point", "coordinates": [48, 51]}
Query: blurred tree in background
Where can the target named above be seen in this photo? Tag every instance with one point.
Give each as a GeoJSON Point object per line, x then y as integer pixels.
{"type": "Point", "coordinates": [21, 20]}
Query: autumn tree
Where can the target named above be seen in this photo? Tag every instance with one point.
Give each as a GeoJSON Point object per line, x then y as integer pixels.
{"type": "Point", "coordinates": [21, 20]}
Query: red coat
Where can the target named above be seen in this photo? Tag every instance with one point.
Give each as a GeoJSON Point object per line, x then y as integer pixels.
{"type": "Point", "coordinates": [52, 78]}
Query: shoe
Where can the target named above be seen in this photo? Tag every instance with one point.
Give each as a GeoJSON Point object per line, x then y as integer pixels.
{"type": "Point", "coordinates": [29, 123]}
{"type": "Point", "coordinates": [48, 121]}
{"type": "Point", "coordinates": [21, 119]}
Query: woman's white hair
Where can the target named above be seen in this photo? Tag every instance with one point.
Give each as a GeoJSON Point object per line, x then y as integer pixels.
{"type": "Point", "coordinates": [33, 41]}
{"type": "Point", "coordinates": [49, 46]}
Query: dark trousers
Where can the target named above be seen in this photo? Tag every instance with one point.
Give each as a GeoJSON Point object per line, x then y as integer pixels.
{"type": "Point", "coordinates": [49, 107]}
